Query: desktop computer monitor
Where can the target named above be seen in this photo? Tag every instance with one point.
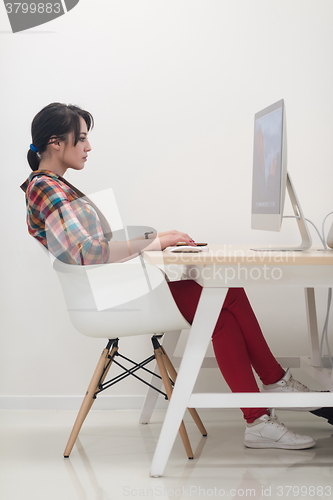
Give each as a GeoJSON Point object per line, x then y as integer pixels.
{"type": "Point", "coordinates": [269, 168]}
{"type": "Point", "coordinates": [270, 176]}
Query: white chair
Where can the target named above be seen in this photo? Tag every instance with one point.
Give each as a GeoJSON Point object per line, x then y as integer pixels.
{"type": "Point", "coordinates": [119, 300]}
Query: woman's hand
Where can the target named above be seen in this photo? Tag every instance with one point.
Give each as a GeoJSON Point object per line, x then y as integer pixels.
{"type": "Point", "coordinates": [168, 239]}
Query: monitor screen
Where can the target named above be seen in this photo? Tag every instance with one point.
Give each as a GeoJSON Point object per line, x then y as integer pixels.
{"type": "Point", "coordinates": [269, 169]}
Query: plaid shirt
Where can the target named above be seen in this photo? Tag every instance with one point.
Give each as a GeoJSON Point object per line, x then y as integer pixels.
{"type": "Point", "coordinates": [64, 223]}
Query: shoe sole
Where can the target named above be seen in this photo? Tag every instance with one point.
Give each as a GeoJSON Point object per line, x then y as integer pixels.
{"type": "Point", "coordinates": [250, 444]}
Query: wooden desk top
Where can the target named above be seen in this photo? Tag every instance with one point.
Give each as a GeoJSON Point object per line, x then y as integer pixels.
{"type": "Point", "coordinates": [238, 254]}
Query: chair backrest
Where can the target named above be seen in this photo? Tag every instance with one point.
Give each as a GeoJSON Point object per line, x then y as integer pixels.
{"type": "Point", "coordinates": [117, 300]}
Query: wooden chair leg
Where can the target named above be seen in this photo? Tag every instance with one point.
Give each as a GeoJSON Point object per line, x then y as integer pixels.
{"type": "Point", "coordinates": [99, 375]}
{"type": "Point", "coordinates": [170, 340]}
{"type": "Point", "coordinates": [173, 374]}
{"type": "Point", "coordinates": [168, 389]}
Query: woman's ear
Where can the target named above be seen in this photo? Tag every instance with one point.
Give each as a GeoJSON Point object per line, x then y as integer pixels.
{"type": "Point", "coordinates": [54, 142]}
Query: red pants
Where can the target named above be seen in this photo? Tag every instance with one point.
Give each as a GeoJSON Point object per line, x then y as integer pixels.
{"type": "Point", "coordinates": [238, 342]}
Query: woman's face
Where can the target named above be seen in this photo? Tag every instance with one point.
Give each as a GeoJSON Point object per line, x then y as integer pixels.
{"type": "Point", "coordinates": [75, 156]}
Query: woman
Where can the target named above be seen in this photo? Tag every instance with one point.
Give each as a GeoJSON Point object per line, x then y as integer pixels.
{"type": "Point", "coordinates": [74, 230]}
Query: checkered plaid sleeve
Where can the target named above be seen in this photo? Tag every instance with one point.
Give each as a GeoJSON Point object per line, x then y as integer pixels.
{"type": "Point", "coordinates": [72, 228]}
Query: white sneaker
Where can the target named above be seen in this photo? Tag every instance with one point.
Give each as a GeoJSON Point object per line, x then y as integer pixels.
{"type": "Point", "coordinates": [289, 384]}
{"type": "Point", "coordinates": [268, 432]}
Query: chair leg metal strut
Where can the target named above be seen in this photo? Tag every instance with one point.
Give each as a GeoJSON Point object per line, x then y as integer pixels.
{"type": "Point", "coordinates": [97, 385]}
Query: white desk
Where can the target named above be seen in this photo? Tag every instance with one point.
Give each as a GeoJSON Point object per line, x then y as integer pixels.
{"type": "Point", "coordinates": [217, 270]}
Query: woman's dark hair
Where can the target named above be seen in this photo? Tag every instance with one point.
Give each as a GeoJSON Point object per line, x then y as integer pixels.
{"type": "Point", "coordinates": [55, 120]}
{"type": "Point", "coordinates": [58, 120]}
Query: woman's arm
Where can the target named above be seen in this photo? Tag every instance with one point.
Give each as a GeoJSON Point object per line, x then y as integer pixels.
{"type": "Point", "coordinates": [67, 236]}
{"type": "Point", "coordinates": [73, 231]}
{"type": "Point", "coordinates": [120, 251]}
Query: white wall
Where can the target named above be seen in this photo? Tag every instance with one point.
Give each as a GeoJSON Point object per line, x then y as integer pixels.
{"type": "Point", "coordinates": [173, 87]}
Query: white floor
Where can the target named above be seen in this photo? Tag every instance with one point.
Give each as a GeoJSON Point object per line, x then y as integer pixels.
{"type": "Point", "coordinates": [112, 457]}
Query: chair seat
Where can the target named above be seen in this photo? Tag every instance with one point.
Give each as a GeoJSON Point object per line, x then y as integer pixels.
{"type": "Point", "coordinates": [119, 300]}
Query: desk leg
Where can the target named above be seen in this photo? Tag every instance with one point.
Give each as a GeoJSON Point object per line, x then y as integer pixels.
{"type": "Point", "coordinates": [208, 310]}
{"type": "Point", "coordinates": [310, 302]}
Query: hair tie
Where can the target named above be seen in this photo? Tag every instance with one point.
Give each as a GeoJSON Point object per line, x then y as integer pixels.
{"type": "Point", "coordinates": [33, 148]}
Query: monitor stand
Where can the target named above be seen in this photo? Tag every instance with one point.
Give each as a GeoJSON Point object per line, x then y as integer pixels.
{"type": "Point", "coordinates": [300, 219]}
